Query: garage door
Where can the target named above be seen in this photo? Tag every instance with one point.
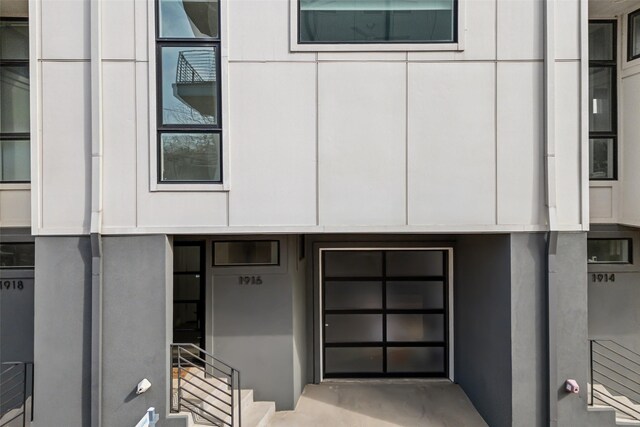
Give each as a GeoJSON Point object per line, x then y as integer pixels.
{"type": "Point", "coordinates": [385, 313]}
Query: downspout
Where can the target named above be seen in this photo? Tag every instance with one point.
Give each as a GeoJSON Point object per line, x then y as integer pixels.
{"type": "Point", "coordinates": [550, 201]}
{"type": "Point", "coordinates": [96, 215]}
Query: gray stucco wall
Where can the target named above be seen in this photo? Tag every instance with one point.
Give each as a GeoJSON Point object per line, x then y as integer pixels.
{"type": "Point", "coordinates": [482, 301]}
{"type": "Point", "coordinates": [62, 329]}
{"type": "Point", "coordinates": [16, 304]}
{"type": "Point", "coordinates": [614, 309]}
{"type": "Point", "coordinates": [16, 316]}
{"type": "Point", "coordinates": [528, 364]}
{"type": "Point", "coordinates": [136, 327]}
{"type": "Point", "coordinates": [298, 273]}
{"type": "Point", "coordinates": [614, 312]}
{"type": "Point", "coordinates": [253, 328]}
{"type": "Point", "coordinates": [136, 284]}
{"type": "Point", "coordinates": [567, 272]}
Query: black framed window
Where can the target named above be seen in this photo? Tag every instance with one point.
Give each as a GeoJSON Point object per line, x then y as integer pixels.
{"type": "Point", "coordinates": [377, 21]}
{"type": "Point", "coordinates": [633, 43]}
{"type": "Point", "coordinates": [609, 251]}
{"type": "Point", "coordinates": [603, 122]}
{"type": "Point", "coordinates": [188, 91]}
{"type": "Point", "coordinates": [17, 255]}
{"type": "Point", "coordinates": [237, 253]}
{"type": "Point", "coordinates": [15, 158]}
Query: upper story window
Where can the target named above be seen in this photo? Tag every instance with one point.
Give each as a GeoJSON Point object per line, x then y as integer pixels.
{"type": "Point", "coordinates": [14, 100]}
{"type": "Point", "coordinates": [634, 36]}
{"type": "Point", "coordinates": [377, 21]}
{"type": "Point", "coordinates": [603, 121]}
{"type": "Point", "coordinates": [188, 71]}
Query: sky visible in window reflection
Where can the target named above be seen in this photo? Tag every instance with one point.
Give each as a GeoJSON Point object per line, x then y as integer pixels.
{"type": "Point", "coordinates": [173, 20]}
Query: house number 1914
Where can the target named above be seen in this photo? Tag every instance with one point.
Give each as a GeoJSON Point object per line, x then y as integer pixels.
{"type": "Point", "coordinates": [249, 280]}
{"type": "Point", "coordinates": [603, 277]}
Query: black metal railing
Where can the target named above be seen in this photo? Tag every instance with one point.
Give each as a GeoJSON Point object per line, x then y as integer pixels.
{"type": "Point", "coordinates": [196, 66]}
{"type": "Point", "coordinates": [615, 377]}
{"type": "Point", "coordinates": [16, 393]}
{"type": "Point", "coordinates": [205, 386]}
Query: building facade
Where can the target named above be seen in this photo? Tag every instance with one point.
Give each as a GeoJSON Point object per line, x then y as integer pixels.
{"type": "Point", "coordinates": [438, 188]}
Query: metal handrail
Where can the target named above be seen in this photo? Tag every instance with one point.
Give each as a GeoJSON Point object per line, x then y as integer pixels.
{"type": "Point", "coordinates": [616, 405]}
{"type": "Point", "coordinates": [18, 384]}
{"type": "Point", "coordinates": [209, 355]}
{"type": "Point", "coordinates": [601, 361]}
{"type": "Point", "coordinates": [615, 352]}
{"type": "Point", "coordinates": [193, 395]}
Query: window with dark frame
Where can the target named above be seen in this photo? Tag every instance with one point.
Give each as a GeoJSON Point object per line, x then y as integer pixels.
{"type": "Point", "coordinates": [609, 251]}
{"type": "Point", "coordinates": [377, 21]}
{"type": "Point", "coordinates": [603, 122]}
{"type": "Point", "coordinates": [19, 255]}
{"type": "Point", "coordinates": [189, 128]}
{"type": "Point", "coordinates": [238, 253]}
{"type": "Point", "coordinates": [633, 43]}
{"type": "Point", "coordinates": [15, 157]}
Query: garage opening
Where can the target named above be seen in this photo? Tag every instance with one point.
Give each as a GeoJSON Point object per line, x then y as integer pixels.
{"type": "Point", "coordinates": [385, 313]}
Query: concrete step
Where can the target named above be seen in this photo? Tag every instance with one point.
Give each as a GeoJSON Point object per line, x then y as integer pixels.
{"type": "Point", "coordinates": [258, 414]}
{"type": "Point", "coordinates": [202, 396]}
{"type": "Point", "coordinates": [622, 419]}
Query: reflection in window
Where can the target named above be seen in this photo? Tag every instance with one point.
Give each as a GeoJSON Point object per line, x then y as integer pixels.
{"type": "Point", "coordinates": [601, 158]}
{"type": "Point", "coordinates": [17, 255]}
{"type": "Point", "coordinates": [189, 125]}
{"type": "Point", "coordinates": [602, 100]}
{"type": "Point", "coordinates": [601, 87]}
{"type": "Point", "coordinates": [246, 252]}
{"type": "Point", "coordinates": [601, 41]}
{"type": "Point", "coordinates": [634, 35]}
{"type": "Point", "coordinates": [188, 19]}
{"type": "Point", "coordinates": [14, 101]}
{"type": "Point", "coordinates": [376, 21]}
{"type": "Point", "coordinates": [190, 157]}
{"type": "Point", "coordinates": [14, 160]}
{"type": "Point", "coordinates": [189, 86]}
{"type": "Point", "coordinates": [609, 251]}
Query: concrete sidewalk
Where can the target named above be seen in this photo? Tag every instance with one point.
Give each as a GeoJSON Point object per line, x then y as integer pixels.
{"type": "Point", "coordinates": [371, 403]}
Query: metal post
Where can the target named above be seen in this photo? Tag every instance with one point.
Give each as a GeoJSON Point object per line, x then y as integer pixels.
{"type": "Point", "coordinates": [591, 367]}
{"type": "Point", "coordinates": [179, 381]}
{"type": "Point", "coordinates": [24, 395]}
{"type": "Point", "coordinates": [233, 407]}
{"type": "Point", "coordinates": [239, 401]}
{"type": "Point", "coordinates": [33, 374]}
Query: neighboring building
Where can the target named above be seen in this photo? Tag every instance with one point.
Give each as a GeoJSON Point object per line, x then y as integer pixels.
{"type": "Point", "coordinates": [311, 190]}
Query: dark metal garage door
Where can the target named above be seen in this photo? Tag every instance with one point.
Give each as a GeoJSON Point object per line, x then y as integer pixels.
{"type": "Point", "coordinates": [385, 313]}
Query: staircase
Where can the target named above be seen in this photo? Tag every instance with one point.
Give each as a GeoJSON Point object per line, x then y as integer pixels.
{"type": "Point", "coordinates": [209, 391]}
{"type": "Point", "coordinates": [615, 380]}
{"type": "Point", "coordinates": [16, 389]}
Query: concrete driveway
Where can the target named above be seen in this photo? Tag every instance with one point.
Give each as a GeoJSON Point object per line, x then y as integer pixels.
{"type": "Point", "coordinates": [371, 403]}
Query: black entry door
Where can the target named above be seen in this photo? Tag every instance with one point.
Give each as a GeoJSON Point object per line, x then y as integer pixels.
{"type": "Point", "coordinates": [189, 293]}
{"type": "Point", "coordinates": [385, 313]}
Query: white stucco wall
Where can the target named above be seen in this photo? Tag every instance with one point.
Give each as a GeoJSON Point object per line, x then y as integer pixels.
{"type": "Point", "coordinates": [350, 141]}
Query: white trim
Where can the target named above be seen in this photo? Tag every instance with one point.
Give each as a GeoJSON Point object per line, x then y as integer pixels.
{"type": "Point", "coordinates": [294, 46]}
{"type": "Point", "coordinates": [15, 186]}
{"type": "Point", "coordinates": [450, 314]}
{"type": "Point", "coordinates": [285, 229]}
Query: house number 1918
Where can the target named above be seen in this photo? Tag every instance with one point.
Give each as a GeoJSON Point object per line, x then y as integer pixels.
{"type": "Point", "coordinates": [249, 280]}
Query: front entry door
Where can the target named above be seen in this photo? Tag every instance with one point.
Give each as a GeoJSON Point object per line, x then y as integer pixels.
{"type": "Point", "coordinates": [385, 313]}
{"type": "Point", "coordinates": [189, 293]}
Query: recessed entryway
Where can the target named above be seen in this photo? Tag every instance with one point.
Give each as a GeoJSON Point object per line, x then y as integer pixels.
{"type": "Point", "coordinates": [385, 313]}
